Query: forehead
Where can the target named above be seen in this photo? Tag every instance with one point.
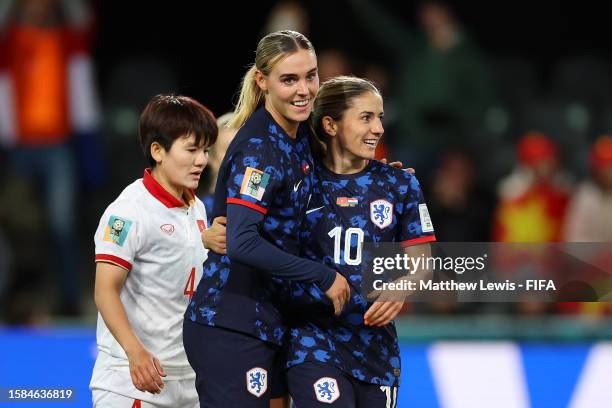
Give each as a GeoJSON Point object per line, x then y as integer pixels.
{"type": "Point", "coordinates": [368, 101]}
{"type": "Point", "coordinates": [188, 139]}
{"type": "Point", "coordinates": [299, 62]}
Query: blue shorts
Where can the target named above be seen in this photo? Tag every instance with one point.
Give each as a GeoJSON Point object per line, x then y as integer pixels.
{"type": "Point", "coordinates": [320, 385]}
{"type": "Point", "coordinates": [232, 369]}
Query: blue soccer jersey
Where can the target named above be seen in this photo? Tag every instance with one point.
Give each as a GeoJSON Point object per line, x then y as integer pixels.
{"type": "Point", "coordinates": [269, 175]}
{"type": "Point", "coordinates": [378, 204]}
{"type": "Point", "coordinates": [208, 200]}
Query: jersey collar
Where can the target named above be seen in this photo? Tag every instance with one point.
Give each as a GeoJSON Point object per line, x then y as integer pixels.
{"type": "Point", "coordinates": [164, 196]}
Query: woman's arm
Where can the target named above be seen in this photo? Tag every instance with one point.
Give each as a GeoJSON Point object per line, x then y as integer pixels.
{"type": "Point", "coordinates": [145, 369]}
{"type": "Point", "coordinates": [246, 245]}
{"type": "Point", "coordinates": [388, 305]}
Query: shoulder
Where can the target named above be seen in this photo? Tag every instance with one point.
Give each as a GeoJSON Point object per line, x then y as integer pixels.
{"type": "Point", "coordinates": [251, 140]}
{"type": "Point", "coordinates": [587, 191]}
{"type": "Point", "coordinates": [199, 205]}
{"type": "Point", "coordinates": [128, 204]}
{"type": "Point", "coordinates": [395, 179]}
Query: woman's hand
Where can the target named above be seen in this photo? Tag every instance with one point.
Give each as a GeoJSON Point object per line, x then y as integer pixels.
{"type": "Point", "coordinates": [214, 238]}
{"type": "Point", "coordinates": [146, 370]}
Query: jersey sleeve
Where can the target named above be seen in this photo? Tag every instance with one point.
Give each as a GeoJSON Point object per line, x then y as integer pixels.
{"type": "Point", "coordinates": [254, 176]}
{"type": "Point", "coordinates": [117, 238]}
{"type": "Point", "coordinates": [246, 245]}
{"type": "Point", "coordinates": [415, 226]}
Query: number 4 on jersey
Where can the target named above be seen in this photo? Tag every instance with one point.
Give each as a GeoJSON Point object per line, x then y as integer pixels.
{"type": "Point", "coordinates": [189, 287]}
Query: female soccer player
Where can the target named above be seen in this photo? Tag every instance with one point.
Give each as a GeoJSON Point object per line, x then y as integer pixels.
{"type": "Point", "coordinates": [149, 256]}
{"type": "Point", "coordinates": [351, 360]}
{"type": "Point", "coordinates": [232, 328]}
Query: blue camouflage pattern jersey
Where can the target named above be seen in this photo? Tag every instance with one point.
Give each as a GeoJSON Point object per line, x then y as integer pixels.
{"type": "Point", "coordinates": [378, 204]}
{"type": "Point", "coordinates": [208, 200]}
{"type": "Point", "coordinates": [269, 172]}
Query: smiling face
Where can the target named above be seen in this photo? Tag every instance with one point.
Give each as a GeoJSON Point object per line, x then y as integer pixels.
{"type": "Point", "coordinates": [181, 166]}
{"type": "Point", "coordinates": [358, 132]}
{"type": "Point", "coordinates": [290, 89]}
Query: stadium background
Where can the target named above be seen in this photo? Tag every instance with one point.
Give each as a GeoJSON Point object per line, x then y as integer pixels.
{"type": "Point", "coordinates": [453, 355]}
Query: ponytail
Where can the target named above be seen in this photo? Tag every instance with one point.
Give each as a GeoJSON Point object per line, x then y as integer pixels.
{"type": "Point", "coordinates": [271, 49]}
{"type": "Point", "coordinates": [249, 100]}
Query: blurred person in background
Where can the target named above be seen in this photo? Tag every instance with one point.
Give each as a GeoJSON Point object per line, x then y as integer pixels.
{"type": "Point", "coordinates": [332, 63]}
{"type": "Point", "coordinates": [589, 217]}
{"type": "Point", "coordinates": [46, 97]}
{"type": "Point", "coordinates": [215, 157]}
{"type": "Point", "coordinates": [461, 209]}
{"type": "Point", "coordinates": [215, 233]}
{"type": "Point", "coordinates": [532, 200]}
{"type": "Point", "coordinates": [442, 84]}
{"type": "Point", "coordinates": [288, 15]}
{"type": "Point", "coordinates": [531, 207]}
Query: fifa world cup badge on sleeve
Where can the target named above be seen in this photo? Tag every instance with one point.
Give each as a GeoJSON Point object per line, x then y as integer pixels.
{"type": "Point", "coordinates": [254, 183]}
{"type": "Point", "coordinates": [426, 224]}
{"type": "Point", "coordinates": [326, 390]}
{"type": "Point", "coordinates": [117, 230]}
{"type": "Point", "coordinates": [257, 381]}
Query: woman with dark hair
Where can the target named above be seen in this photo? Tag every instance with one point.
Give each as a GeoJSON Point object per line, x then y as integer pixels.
{"type": "Point", "coordinates": [149, 254]}
{"type": "Point", "coordinates": [351, 360]}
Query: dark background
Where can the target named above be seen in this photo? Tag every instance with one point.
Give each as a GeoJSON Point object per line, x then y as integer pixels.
{"type": "Point", "coordinates": [211, 43]}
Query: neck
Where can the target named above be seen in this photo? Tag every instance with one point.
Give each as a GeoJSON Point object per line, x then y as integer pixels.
{"type": "Point", "coordinates": [288, 126]}
{"type": "Point", "coordinates": [176, 192]}
{"type": "Point", "coordinates": [341, 161]}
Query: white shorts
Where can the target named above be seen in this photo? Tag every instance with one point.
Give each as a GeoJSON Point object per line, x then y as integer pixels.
{"type": "Point", "coordinates": [113, 388]}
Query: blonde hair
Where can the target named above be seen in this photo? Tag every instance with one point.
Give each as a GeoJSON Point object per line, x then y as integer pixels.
{"type": "Point", "coordinates": [270, 50]}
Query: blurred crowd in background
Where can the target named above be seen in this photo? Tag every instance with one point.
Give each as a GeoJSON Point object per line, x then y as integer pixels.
{"type": "Point", "coordinates": [502, 154]}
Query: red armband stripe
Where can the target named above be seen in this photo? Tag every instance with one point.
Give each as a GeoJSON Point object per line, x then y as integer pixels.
{"type": "Point", "coordinates": [114, 260]}
{"type": "Point", "coordinates": [249, 204]}
{"type": "Point", "coordinates": [421, 240]}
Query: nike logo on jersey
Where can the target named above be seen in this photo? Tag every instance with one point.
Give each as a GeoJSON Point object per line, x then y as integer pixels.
{"type": "Point", "coordinates": [314, 209]}
{"type": "Point", "coordinates": [295, 187]}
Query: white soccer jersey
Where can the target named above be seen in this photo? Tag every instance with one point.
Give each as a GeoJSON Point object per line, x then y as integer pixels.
{"type": "Point", "coordinates": [158, 240]}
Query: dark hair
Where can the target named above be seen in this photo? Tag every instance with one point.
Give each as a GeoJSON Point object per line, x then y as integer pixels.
{"type": "Point", "coordinates": [335, 97]}
{"type": "Point", "coordinates": [168, 117]}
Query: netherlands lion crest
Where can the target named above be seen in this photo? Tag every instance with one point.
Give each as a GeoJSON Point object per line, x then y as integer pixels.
{"type": "Point", "coordinates": [257, 381]}
{"type": "Point", "coordinates": [381, 213]}
{"type": "Point", "coordinates": [326, 390]}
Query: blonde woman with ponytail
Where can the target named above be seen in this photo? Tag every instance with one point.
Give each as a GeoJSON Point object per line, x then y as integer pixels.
{"type": "Point", "coordinates": [233, 328]}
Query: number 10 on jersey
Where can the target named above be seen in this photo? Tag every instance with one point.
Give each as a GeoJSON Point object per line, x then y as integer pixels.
{"type": "Point", "coordinates": [353, 237]}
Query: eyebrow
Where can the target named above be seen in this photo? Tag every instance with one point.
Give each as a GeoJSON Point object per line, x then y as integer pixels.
{"type": "Point", "coordinates": [313, 70]}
